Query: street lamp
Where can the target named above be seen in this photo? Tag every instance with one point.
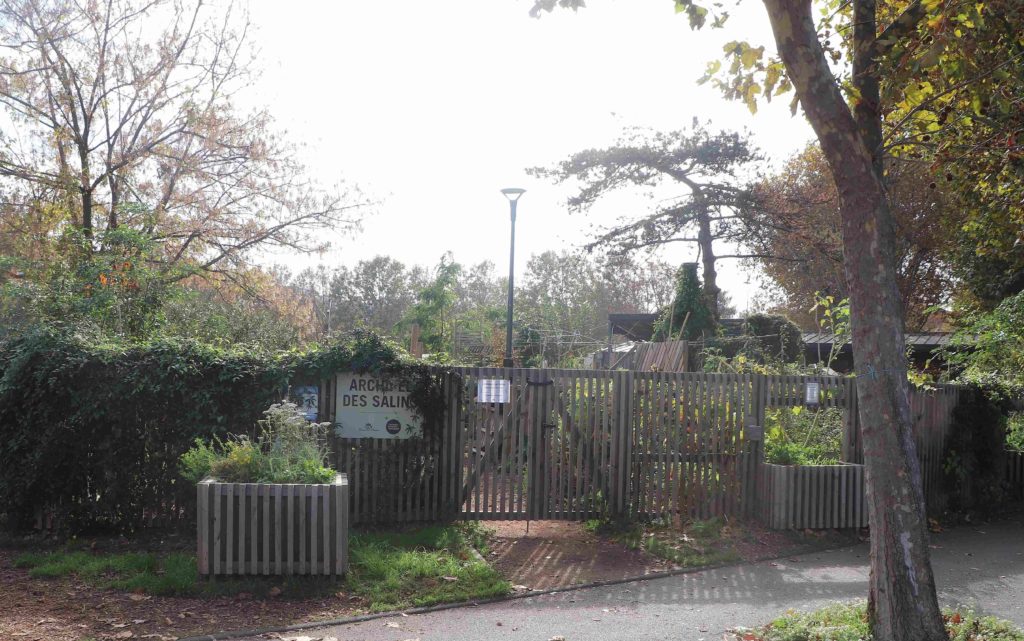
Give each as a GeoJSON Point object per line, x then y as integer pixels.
{"type": "Point", "coordinates": [513, 194]}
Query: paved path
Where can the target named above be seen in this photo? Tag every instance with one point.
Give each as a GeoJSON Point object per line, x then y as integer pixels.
{"type": "Point", "coordinates": [979, 566]}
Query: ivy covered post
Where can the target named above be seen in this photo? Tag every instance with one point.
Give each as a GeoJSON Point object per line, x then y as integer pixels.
{"type": "Point", "coordinates": [688, 316]}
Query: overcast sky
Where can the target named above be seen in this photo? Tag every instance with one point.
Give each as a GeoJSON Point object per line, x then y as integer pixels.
{"type": "Point", "coordinates": [433, 107]}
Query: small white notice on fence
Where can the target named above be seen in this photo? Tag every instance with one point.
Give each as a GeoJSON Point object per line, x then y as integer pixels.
{"type": "Point", "coordinates": [374, 407]}
{"type": "Point", "coordinates": [492, 390]}
{"type": "Point", "coordinates": [811, 393]}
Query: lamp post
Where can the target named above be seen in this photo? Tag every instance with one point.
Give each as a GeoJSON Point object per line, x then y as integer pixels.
{"type": "Point", "coordinates": [513, 194]}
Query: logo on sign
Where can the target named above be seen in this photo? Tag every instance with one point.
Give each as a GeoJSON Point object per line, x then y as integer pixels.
{"type": "Point", "coordinates": [393, 427]}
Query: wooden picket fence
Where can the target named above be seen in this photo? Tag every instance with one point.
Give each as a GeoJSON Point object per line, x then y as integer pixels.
{"type": "Point", "coordinates": [578, 444]}
{"type": "Point", "coordinates": [931, 409]}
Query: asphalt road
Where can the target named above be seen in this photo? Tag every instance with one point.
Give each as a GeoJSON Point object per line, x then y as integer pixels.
{"type": "Point", "coordinates": [982, 567]}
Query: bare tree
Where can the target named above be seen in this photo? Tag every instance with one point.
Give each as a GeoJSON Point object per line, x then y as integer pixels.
{"type": "Point", "coordinates": [122, 121]}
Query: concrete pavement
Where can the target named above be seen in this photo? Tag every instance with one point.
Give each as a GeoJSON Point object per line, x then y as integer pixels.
{"type": "Point", "coordinates": [981, 567]}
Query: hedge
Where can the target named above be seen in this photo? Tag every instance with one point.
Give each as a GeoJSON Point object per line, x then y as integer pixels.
{"type": "Point", "coordinates": [94, 431]}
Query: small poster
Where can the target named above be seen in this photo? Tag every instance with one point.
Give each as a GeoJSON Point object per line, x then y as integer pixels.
{"type": "Point", "coordinates": [492, 390]}
{"type": "Point", "coordinates": [374, 407]}
{"type": "Point", "coordinates": [307, 397]}
{"type": "Point", "coordinates": [811, 393]}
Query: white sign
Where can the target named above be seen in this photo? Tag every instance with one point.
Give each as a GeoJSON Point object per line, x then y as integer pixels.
{"type": "Point", "coordinates": [811, 393]}
{"type": "Point", "coordinates": [492, 390]}
{"type": "Point", "coordinates": [307, 397]}
{"type": "Point", "coordinates": [373, 407]}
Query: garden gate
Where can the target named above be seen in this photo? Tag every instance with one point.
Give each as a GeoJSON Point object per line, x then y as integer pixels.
{"type": "Point", "coordinates": [576, 444]}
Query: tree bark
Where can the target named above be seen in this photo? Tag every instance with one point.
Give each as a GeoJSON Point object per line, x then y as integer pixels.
{"type": "Point", "coordinates": [707, 256]}
{"type": "Point", "coordinates": [705, 241]}
{"type": "Point", "coordinates": [902, 603]}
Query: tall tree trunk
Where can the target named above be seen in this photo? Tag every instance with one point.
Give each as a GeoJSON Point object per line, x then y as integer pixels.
{"type": "Point", "coordinates": [707, 256]}
{"type": "Point", "coordinates": [901, 599]}
{"type": "Point", "coordinates": [705, 241]}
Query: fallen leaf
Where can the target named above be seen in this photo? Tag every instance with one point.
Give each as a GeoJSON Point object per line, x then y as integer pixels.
{"type": "Point", "coordinates": [391, 624]}
{"type": "Point", "coordinates": [274, 592]}
{"type": "Point", "coordinates": [139, 597]}
{"type": "Point", "coordinates": [557, 638]}
{"type": "Point", "coordinates": [450, 579]}
{"type": "Point", "coordinates": [123, 634]}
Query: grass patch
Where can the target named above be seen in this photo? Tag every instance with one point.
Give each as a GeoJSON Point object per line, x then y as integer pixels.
{"type": "Point", "coordinates": [849, 622]}
{"type": "Point", "coordinates": [387, 569]}
{"type": "Point", "coordinates": [697, 544]}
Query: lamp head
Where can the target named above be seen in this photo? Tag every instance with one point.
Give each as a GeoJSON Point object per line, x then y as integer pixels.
{"type": "Point", "coordinates": [513, 193]}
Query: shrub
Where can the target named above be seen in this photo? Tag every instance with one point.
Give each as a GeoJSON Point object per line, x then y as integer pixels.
{"type": "Point", "coordinates": [800, 436]}
{"type": "Point", "coordinates": [94, 431]}
{"type": "Point", "coordinates": [289, 449]}
{"type": "Point", "coordinates": [1015, 431]}
{"type": "Point", "coordinates": [777, 338]}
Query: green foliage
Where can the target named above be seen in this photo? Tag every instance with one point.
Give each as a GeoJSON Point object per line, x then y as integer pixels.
{"type": "Point", "coordinates": [849, 622]}
{"type": "Point", "coordinates": [95, 431]}
{"type": "Point", "coordinates": [105, 282]}
{"type": "Point", "coordinates": [834, 319]}
{"type": "Point", "coordinates": [1015, 431]}
{"type": "Point", "coordinates": [390, 570]}
{"type": "Point", "coordinates": [776, 337]}
{"type": "Point", "coordinates": [991, 345]}
{"type": "Point", "coordinates": [801, 436]}
{"type": "Point", "coordinates": [419, 568]}
{"type": "Point", "coordinates": [288, 449]}
{"type": "Point", "coordinates": [434, 307]}
{"type": "Point", "coordinates": [975, 453]}
{"type": "Point", "coordinates": [687, 316]}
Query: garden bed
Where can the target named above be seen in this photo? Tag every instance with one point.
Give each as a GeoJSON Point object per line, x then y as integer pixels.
{"type": "Point", "coordinates": [813, 496]}
{"type": "Point", "coordinates": [273, 528]}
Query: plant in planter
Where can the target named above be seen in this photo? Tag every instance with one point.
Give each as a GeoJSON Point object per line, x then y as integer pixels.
{"type": "Point", "coordinates": [269, 504]}
{"type": "Point", "coordinates": [805, 484]}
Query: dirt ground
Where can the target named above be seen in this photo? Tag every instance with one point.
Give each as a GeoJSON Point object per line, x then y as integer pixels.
{"type": "Point", "coordinates": [555, 554]}
{"type": "Point", "coordinates": [552, 554]}
{"type": "Point", "coordinates": [66, 609]}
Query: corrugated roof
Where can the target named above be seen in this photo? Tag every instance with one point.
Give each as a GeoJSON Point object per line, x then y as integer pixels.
{"type": "Point", "coordinates": [925, 339]}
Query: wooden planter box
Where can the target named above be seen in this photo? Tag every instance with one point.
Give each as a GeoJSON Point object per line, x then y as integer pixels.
{"type": "Point", "coordinates": [813, 496]}
{"type": "Point", "coordinates": [269, 528]}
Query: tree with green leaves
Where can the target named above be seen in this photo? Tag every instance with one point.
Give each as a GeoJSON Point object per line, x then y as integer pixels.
{"type": "Point", "coordinates": [891, 47]}
{"type": "Point", "coordinates": [688, 316]}
{"type": "Point", "coordinates": [434, 308]}
{"type": "Point", "coordinates": [706, 164]}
